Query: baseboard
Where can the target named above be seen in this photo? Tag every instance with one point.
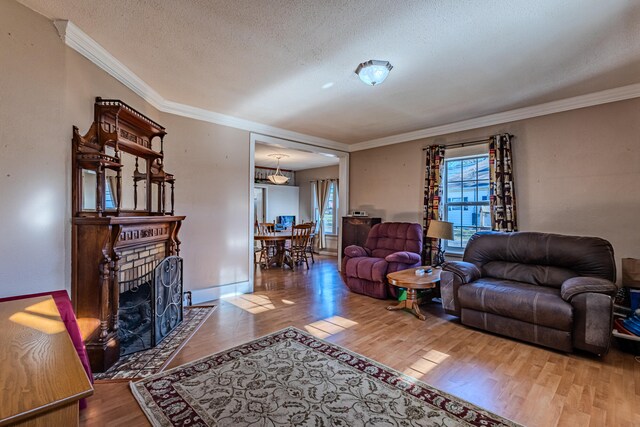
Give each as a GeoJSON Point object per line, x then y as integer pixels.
{"type": "Point", "coordinates": [330, 253]}
{"type": "Point", "coordinates": [198, 296]}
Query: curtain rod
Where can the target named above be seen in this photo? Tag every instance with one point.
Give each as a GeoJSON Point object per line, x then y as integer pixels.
{"type": "Point", "coordinates": [469, 143]}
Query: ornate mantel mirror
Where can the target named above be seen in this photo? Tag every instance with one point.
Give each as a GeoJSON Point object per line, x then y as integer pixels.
{"type": "Point", "coordinates": [119, 164]}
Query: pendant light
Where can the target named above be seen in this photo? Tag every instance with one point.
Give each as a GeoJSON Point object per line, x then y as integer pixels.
{"type": "Point", "coordinates": [278, 178]}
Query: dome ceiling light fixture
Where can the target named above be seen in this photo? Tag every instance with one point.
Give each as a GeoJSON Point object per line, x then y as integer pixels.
{"type": "Point", "coordinates": [278, 178]}
{"type": "Point", "coordinates": [373, 72]}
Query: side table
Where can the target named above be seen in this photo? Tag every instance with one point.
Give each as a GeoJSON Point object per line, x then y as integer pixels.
{"type": "Point", "coordinates": [407, 279]}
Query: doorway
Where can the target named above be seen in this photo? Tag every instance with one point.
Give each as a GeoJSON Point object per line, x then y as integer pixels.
{"type": "Point", "coordinates": [260, 191]}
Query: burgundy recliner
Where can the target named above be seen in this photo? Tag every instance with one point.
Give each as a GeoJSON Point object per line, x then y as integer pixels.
{"type": "Point", "coordinates": [390, 246]}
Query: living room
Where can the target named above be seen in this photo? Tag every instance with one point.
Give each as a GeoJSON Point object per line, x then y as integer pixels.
{"type": "Point", "coordinates": [563, 80]}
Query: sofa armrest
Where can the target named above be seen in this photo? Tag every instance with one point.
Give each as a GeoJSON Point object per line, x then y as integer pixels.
{"type": "Point", "coordinates": [403, 257]}
{"type": "Point", "coordinates": [580, 285]}
{"type": "Point", "coordinates": [465, 271]}
{"type": "Point", "coordinates": [455, 274]}
{"type": "Point", "coordinates": [355, 251]}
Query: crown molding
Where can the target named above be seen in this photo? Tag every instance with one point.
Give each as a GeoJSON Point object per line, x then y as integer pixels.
{"type": "Point", "coordinates": [79, 41]}
{"type": "Point", "coordinates": [238, 123]}
{"type": "Point", "coordinates": [582, 101]}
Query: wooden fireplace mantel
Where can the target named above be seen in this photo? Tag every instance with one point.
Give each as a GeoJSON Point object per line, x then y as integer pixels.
{"type": "Point", "coordinates": [138, 230]}
{"type": "Point", "coordinates": [103, 228]}
{"type": "Point", "coordinates": [98, 243]}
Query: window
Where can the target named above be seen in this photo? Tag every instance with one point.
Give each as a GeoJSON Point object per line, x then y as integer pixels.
{"type": "Point", "coordinates": [330, 211]}
{"type": "Point", "coordinates": [466, 199]}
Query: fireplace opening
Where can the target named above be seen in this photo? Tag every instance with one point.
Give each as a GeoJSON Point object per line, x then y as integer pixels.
{"type": "Point", "coordinates": [150, 304]}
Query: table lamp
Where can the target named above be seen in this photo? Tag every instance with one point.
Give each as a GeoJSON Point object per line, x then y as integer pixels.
{"type": "Point", "coordinates": [631, 280]}
{"type": "Point", "coordinates": [440, 230]}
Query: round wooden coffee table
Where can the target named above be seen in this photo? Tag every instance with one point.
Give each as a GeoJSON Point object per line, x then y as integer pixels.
{"type": "Point", "coordinates": [407, 279]}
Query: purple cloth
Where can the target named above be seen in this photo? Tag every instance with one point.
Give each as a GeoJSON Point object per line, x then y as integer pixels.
{"type": "Point", "coordinates": [63, 303]}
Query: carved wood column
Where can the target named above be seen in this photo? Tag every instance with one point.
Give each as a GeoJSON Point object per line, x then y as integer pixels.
{"type": "Point", "coordinates": [100, 190]}
{"type": "Point", "coordinates": [135, 186]}
{"type": "Point", "coordinates": [104, 298]}
{"type": "Point", "coordinates": [174, 241]}
{"type": "Point", "coordinates": [115, 276]}
{"type": "Point", "coordinates": [164, 198]}
{"type": "Point", "coordinates": [172, 196]}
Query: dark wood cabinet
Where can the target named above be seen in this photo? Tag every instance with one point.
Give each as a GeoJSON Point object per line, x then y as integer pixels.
{"type": "Point", "coordinates": [355, 229]}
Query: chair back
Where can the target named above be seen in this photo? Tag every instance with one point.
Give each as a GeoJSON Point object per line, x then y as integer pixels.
{"type": "Point", "coordinates": [266, 228]}
{"type": "Point", "coordinates": [300, 235]}
{"type": "Point", "coordinates": [314, 231]}
{"type": "Point", "coordinates": [389, 237]}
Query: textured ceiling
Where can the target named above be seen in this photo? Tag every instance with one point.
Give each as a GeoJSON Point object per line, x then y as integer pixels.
{"type": "Point", "coordinates": [268, 61]}
{"type": "Point", "coordinates": [296, 160]}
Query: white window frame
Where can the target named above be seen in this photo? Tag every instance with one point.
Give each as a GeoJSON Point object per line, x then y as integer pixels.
{"type": "Point", "coordinates": [462, 204]}
{"type": "Point", "coordinates": [334, 210]}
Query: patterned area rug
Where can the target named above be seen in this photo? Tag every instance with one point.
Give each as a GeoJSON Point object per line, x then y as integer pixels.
{"type": "Point", "coordinates": [148, 362]}
{"type": "Point", "coordinates": [292, 378]}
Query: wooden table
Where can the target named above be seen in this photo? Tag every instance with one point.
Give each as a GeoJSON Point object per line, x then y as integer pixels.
{"type": "Point", "coordinates": [408, 279]}
{"type": "Point", "coordinates": [279, 239]}
{"type": "Point", "coordinates": [41, 377]}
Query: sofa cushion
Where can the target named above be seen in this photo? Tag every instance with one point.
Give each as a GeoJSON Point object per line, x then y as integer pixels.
{"type": "Point", "coordinates": [530, 303]}
{"type": "Point", "coordinates": [545, 275]}
{"type": "Point", "coordinates": [367, 268]}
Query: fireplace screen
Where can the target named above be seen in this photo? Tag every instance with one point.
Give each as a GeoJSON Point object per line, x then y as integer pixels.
{"type": "Point", "coordinates": [150, 306]}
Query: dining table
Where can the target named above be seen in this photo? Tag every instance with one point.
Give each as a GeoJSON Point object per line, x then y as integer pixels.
{"type": "Point", "coordinates": [279, 239]}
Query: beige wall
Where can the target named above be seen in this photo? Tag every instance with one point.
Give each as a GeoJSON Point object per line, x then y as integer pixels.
{"type": "Point", "coordinates": [45, 89]}
{"type": "Point", "coordinates": [281, 200]}
{"type": "Point", "coordinates": [211, 164]}
{"type": "Point", "coordinates": [577, 172]}
{"type": "Point", "coordinates": [303, 180]}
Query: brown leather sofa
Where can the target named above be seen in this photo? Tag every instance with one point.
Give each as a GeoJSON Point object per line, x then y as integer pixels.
{"type": "Point", "coordinates": [548, 289]}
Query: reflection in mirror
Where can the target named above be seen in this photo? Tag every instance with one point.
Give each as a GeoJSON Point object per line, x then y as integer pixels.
{"type": "Point", "coordinates": [128, 167]}
{"type": "Point", "coordinates": [88, 190]}
{"type": "Point", "coordinates": [133, 186]}
{"type": "Point", "coordinates": [139, 177]}
{"type": "Point", "coordinates": [133, 191]}
{"type": "Point", "coordinates": [110, 190]}
{"type": "Point", "coordinates": [154, 198]}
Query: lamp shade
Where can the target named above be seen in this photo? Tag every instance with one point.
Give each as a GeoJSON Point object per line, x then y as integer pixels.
{"type": "Point", "coordinates": [373, 72]}
{"type": "Point", "coordinates": [631, 273]}
{"type": "Point", "coordinates": [440, 230]}
{"type": "Point", "coordinates": [278, 178]}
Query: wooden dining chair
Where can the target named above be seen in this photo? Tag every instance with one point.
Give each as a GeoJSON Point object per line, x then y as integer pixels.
{"type": "Point", "coordinates": [311, 242]}
{"type": "Point", "coordinates": [267, 248]}
{"type": "Point", "coordinates": [299, 240]}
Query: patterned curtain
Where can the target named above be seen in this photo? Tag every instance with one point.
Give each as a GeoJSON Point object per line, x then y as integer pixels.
{"type": "Point", "coordinates": [432, 194]}
{"type": "Point", "coordinates": [503, 198]}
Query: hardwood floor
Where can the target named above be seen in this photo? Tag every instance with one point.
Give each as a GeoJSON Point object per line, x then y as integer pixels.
{"type": "Point", "coordinates": [528, 384]}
